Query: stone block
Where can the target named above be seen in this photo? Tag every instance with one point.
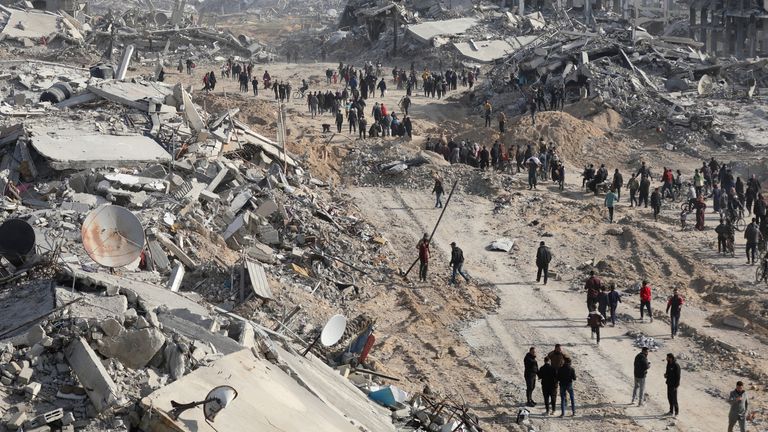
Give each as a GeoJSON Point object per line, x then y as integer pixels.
{"type": "Point", "coordinates": [91, 373]}
{"type": "Point", "coordinates": [32, 389]}
{"type": "Point", "coordinates": [25, 375]}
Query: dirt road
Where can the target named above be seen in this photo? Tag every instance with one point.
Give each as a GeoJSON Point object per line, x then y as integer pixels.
{"type": "Point", "coordinates": [533, 315]}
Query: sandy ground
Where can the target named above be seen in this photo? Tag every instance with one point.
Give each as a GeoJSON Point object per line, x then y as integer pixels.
{"type": "Point", "coordinates": [437, 335]}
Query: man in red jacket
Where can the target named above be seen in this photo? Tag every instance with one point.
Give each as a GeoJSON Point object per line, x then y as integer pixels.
{"type": "Point", "coordinates": [423, 247]}
{"type": "Point", "coordinates": [645, 300]}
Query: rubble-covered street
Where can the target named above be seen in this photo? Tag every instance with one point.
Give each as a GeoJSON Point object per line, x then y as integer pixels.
{"type": "Point", "coordinates": [181, 251]}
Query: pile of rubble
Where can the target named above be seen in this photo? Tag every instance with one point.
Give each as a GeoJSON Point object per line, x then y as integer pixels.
{"type": "Point", "coordinates": [225, 216]}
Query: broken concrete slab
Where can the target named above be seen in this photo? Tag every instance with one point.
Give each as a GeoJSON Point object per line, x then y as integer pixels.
{"type": "Point", "coordinates": [93, 307]}
{"type": "Point", "coordinates": [134, 348]}
{"type": "Point", "coordinates": [143, 96]}
{"type": "Point", "coordinates": [37, 299]}
{"type": "Point", "coordinates": [72, 149]}
{"type": "Point", "coordinates": [177, 276]}
{"type": "Point", "coordinates": [30, 24]}
{"type": "Point", "coordinates": [425, 32]}
{"type": "Point", "coordinates": [486, 51]}
{"type": "Point", "coordinates": [194, 331]}
{"type": "Point", "coordinates": [91, 373]}
{"type": "Point", "coordinates": [337, 392]}
{"type": "Point", "coordinates": [268, 400]}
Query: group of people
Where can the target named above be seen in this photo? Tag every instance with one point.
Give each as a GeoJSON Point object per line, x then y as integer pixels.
{"type": "Point", "coordinates": [456, 263]}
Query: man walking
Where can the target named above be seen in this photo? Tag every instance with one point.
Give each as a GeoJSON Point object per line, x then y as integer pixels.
{"type": "Point", "coordinates": [618, 183]}
{"type": "Point", "coordinates": [543, 257]}
{"type": "Point", "coordinates": [565, 378]}
{"type": "Point", "coordinates": [753, 236]}
{"type": "Point", "coordinates": [673, 382]}
{"type": "Point", "coordinates": [488, 110]}
{"type": "Point", "coordinates": [645, 300]}
{"type": "Point", "coordinates": [610, 199]}
{"type": "Point", "coordinates": [548, 377]}
{"type": "Point", "coordinates": [633, 186]}
{"type": "Point", "coordinates": [530, 372]}
{"type": "Point", "coordinates": [438, 191]}
{"type": "Point", "coordinates": [457, 262]}
{"type": "Point", "coordinates": [641, 370]}
{"type": "Point", "coordinates": [739, 406]}
{"type": "Point", "coordinates": [614, 298]}
{"type": "Point", "coordinates": [655, 203]}
{"type": "Point", "coordinates": [423, 248]}
{"type": "Point", "coordinates": [674, 305]}
{"type": "Point", "coordinates": [592, 285]}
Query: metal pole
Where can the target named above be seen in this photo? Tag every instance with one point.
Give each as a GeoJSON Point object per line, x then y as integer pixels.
{"type": "Point", "coordinates": [445, 207]}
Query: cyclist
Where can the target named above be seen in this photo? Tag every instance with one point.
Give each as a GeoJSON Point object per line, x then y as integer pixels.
{"type": "Point", "coordinates": [734, 207]}
{"type": "Point", "coordinates": [304, 87]}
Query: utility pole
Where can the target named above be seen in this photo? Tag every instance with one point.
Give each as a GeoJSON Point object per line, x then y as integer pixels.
{"type": "Point", "coordinates": [394, 28]}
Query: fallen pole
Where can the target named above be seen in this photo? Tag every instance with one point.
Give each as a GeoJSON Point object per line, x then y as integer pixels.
{"type": "Point", "coordinates": [445, 207]}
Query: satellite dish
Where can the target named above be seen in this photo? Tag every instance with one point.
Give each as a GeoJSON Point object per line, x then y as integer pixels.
{"type": "Point", "coordinates": [332, 332]}
{"type": "Point", "coordinates": [217, 400]}
{"type": "Point", "coordinates": [17, 240]}
{"type": "Point", "coordinates": [112, 236]}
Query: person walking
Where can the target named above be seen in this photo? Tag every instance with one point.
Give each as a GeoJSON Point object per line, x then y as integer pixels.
{"type": "Point", "coordinates": [672, 376]}
{"type": "Point", "coordinates": [566, 375]}
{"type": "Point", "coordinates": [531, 370]}
{"type": "Point", "coordinates": [543, 257]}
{"type": "Point", "coordinates": [423, 248]}
{"type": "Point", "coordinates": [438, 191]}
{"type": "Point", "coordinates": [645, 188]}
{"type": "Point", "coordinates": [618, 183]}
{"type": "Point", "coordinates": [592, 286]}
{"type": "Point", "coordinates": [488, 108]}
{"type": "Point", "coordinates": [739, 407]}
{"type": "Point", "coordinates": [645, 300]}
{"type": "Point", "coordinates": [641, 370]}
{"type": "Point", "coordinates": [674, 305]}
{"type": "Point", "coordinates": [602, 302]}
{"type": "Point", "coordinates": [753, 236]}
{"type": "Point", "coordinates": [656, 203]}
{"type": "Point", "coordinates": [457, 262]}
{"type": "Point", "coordinates": [633, 185]}
{"type": "Point", "coordinates": [610, 199]}
{"type": "Point", "coordinates": [595, 320]}
{"type": "Point", "coordinates": [548, 376]}
{"type": "Point", "coordinates": [614, 298]}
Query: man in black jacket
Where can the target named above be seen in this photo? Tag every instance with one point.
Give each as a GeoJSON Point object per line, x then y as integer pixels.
{"type": "Point", "coordinates": [457, 262]}
{"type": "Point", "coordinates": [641, 370]}
{"type": "Point", "coordinates": [753, 236]}
{"type": "Point", "coordinates": [565, 377]}
{"type": "Point", "coordinates": [543, 257]}
{"type": "Point", "coordinates": [531, 369]}
{"type": "Point", "coordinates": [618, 183]}
{"type": "Point", "coordinates": [548, 376]}
{"type": "Point", "coordinates": [673, 382]}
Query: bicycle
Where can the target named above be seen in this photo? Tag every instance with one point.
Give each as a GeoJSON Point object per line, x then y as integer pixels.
{"type": "Point", "coordinates": [299, 94]}
{"type": "Point", "coordinates": [729, 246]}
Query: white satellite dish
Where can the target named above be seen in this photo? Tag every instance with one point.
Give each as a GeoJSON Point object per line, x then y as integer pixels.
{"type": "Point", "coordinates": [333, 330]}
{"type": "Point", "coordinates": [112, 236]}
{"type": "Point", "coordinates": [217, 400]}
